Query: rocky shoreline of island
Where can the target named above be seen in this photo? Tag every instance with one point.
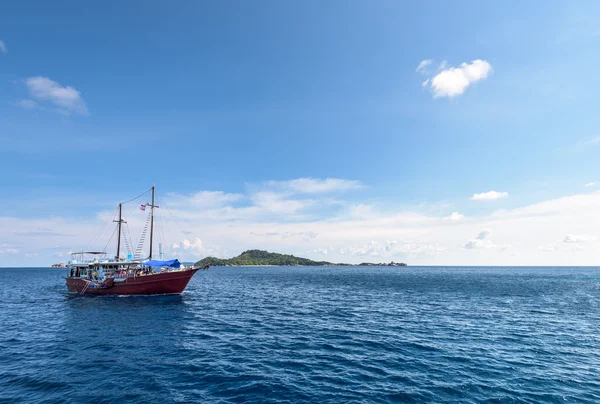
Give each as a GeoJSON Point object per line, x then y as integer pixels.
{"type": "Point", "coordinates": [265, 258]}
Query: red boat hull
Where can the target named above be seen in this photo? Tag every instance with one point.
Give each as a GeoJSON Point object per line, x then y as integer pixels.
{"type": "Point", "coordinates": [167, 283]}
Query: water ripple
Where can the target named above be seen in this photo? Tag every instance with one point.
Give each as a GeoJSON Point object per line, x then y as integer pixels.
{"type": "Point", "coordinates": [286, 335]}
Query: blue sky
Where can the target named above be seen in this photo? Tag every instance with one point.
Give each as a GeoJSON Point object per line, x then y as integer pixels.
{"type": "Point", "coordinates": [223, 105]}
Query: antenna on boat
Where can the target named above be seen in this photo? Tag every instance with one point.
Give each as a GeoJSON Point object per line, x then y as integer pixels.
{"type": "Point", "coordinates": [152, 206]}
{"type": "Point", "coordinates": [120, 221]}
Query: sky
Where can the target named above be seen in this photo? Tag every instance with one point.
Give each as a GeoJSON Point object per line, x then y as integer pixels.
{"type": "Point", "coordinates": [437, 133]}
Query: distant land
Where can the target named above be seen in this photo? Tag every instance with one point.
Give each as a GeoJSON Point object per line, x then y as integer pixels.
{"type": "Point", "coordinates": [261, 257]}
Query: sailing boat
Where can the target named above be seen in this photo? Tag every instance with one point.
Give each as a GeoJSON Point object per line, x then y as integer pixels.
{"type": "Point", "coordinates": [131, 276]}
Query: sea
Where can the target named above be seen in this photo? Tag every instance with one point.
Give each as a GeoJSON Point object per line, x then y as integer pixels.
{"type": "Point", "coordinates": [308, 335]}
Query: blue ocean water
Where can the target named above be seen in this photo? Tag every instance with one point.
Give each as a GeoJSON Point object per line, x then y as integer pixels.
{"type": "Point", "coordinates": [286, 334]}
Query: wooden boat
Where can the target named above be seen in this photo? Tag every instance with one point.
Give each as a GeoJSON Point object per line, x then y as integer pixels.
{"type": "Point", "coordinates": [131, 276]}
{"type": "Point", "coordinates": [165, 283]}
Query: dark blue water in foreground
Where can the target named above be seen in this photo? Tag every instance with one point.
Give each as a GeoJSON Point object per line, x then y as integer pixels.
{"type": "Point", "coordinates": [308, 335]}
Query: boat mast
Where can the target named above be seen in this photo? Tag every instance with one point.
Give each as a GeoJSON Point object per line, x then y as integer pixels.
{"type": "Point", "coordinates": [119, 230]}
{"type": "Point", "coordinates": [152, 206]}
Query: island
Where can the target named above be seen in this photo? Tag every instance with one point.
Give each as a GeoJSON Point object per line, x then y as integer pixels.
{"type": "Point", "coordinates": [261, 257]}
{"type": "Point", "coordinates": [383, 264]}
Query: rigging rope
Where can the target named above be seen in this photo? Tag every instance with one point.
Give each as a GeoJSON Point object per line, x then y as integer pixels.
{"type": "Point", "coordinates": [129, 251]}
{"type": "Point", "coordinates": [113, 234]}
{"type": "Point", "coordinates": [102, 229]}
{"type": "Point", "coordinates": [90, 244]}
{"type": "Point", "coordinates": [126, 215]}
{"type": "Point", "coordinates": [175, 220]}
{"type": "Point", "coordinates": [140, 244]}
{"type": "Point", "coordinates": [124, 230]}
{"type": "Point", "coordinates": [139, 196]}
{"type": "Point", "coordinates": [161, 230]}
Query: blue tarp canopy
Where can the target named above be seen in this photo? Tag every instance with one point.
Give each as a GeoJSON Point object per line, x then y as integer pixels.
{"type": "Point", "coordinates": [171, 263]}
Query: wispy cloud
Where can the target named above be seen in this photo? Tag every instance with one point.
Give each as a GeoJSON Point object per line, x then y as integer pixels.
{"type": "Point", "coordinates": [578, 238]}
{"type": "Point", "coordinates": [8, 249]}
{"type": "Point", "coordinates": [387, 249]}
{"type": "Point", "coordinates": [591, 184]}
{"type": "Point", "coordinates": [481, 241]}
{"type": "Point", "coordinates": [41, 233]}
{"type": "Point", "coordinates": [27, 104]}
{"type": "Point", "coordinates": [3, 47]}
{"type": "Point", "coordinates": [194, 245]}
{"type": "Point", "coordinates": [252, 219]}
{"type": "Point", "coordinates": [280, 204]}
{"type": "Point", "coordinates": [205, 199]}
{"type": "Point", "coordinates": [423, 65]}
{"type": "Point", "coordinates": [273, 200]}
{"type": "Point", "coordinates": [454, 217]}
{"type": "Point", "coordinates": [548, 248]}
{"type": "Point", "coordinates": [453, 81]}
{"type": "Point", "coordinates": [587, 143]}
{"type": "Point", "coordinates": [67, 99]}
{"type": "Point", "coordinates": [321, 251]}
{"type": "Point", "coordinates": [316, 185]}
{"type": "Point", "coordinates": [302, 235]}
{"type": "Point", "coordinates": [489, 196]}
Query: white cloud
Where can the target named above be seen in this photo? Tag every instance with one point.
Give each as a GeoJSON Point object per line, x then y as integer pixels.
{"type": "Point", "coordinates": [3, 48]}
{"type": "Point", "coordinates": [414, 249]}
{"type": "Point", "coordinates": [371, 249]}
{"type": "Point", "coordinates": [578, 238]}
{"type": "Point", "coordinates": [481, 241]}
{"type": "Point", "coordinates": [479, 244]}
{"type": "Point", "coordinates": [548, 248]}
{"type": "Point", "coordinates": [362, 211]}
{"type": "Point", "coordinates": [454, 217]}
{"type": "Point", "coordinates": [67, 99]}
{"type": "Point", "coordinates": [300, 235]}
{"type": "Point", "coordinates": [27, 104]}
{"type": "Point", "coordinates": [591, 184]}
{"type": "Point", "coordinates": [321, 251]}
{"type": "Point", "coordinates": [489, 196]}
{"type": "Point", "coordinates": [274, 202]}
{"type": "Point", "coordinates": [587, 143]}
{"type": "Point", "coordinates": [8, 249]}
{"type": "Point", "coordinates": [455, 80]}
{"type": "Point", "coordinates": [195, 245]}
{"type": "Point", "coordinates": [350, 232]}
{"type": "Point", "coordinates": [423, 65]}
{"type": "Point", "coordinates": [483, 234]}
{"type": "Point", "coordinates": [204, 199]}
{"type": "Point", "coordinates": [388, 249]}
{"type": "Point", "coordinates": [316, 185]}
